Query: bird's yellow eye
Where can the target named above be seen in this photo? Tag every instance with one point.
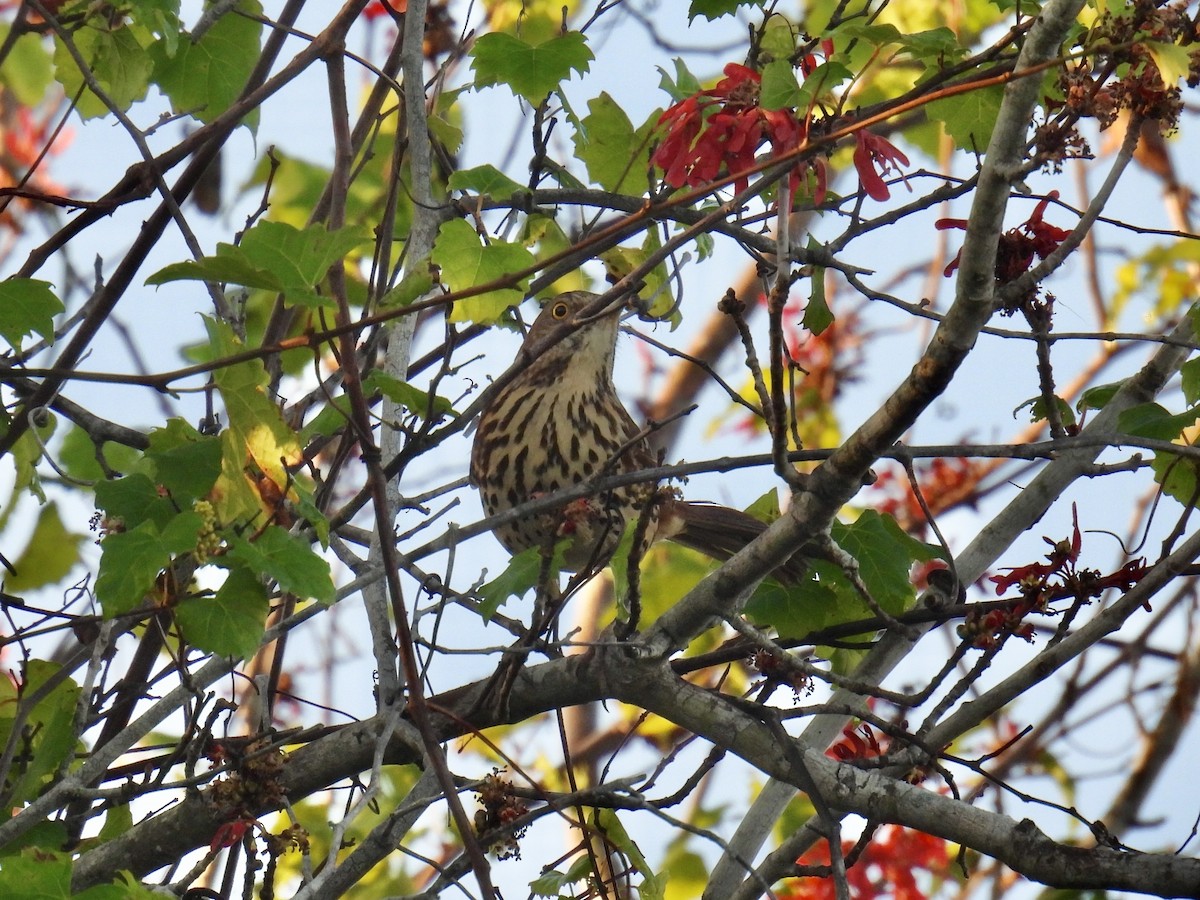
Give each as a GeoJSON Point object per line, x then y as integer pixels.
{"type": "Point", "coordinates": [559, 310]}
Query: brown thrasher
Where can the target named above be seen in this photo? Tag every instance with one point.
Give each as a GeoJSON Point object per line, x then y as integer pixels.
{"type": "Point", "coordinates": [558, 423]}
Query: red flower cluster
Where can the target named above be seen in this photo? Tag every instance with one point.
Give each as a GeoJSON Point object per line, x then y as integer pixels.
{"type": "Point", "coordinates": [1018, 246]}
{"type": "Point", "coordinates": [857, 742]}
{"type": "Point", "coordinates": [722, 126]}
{"type": "Point", "coordinates": [887, 867]}
{"type": "Point", "coordinates": [944, 482]}
{"type": "Point", "coordinates": [872, 151]}
{"type": "Point", "coordinates": [1041, 583]}
{"type": "Point", "coordinates": [726, 126]}
{"type": "Point", "coordinates": [378, 8]}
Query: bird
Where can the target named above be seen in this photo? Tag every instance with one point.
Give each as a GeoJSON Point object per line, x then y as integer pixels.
{"type": "Point", "coordinates": [559, 422]}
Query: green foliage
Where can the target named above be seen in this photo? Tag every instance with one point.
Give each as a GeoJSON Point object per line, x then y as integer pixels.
{"type": "Point", "coordinates": [416, 401]}
{"type": "Point", "coordinates": [203, 78]}
{"type": "Point", "coordinates": [51, 553]}
{"type": "Point", "coordinates": [653, 884]}
{"type": "Point", "coordinates": [780, 88]}
{"type": "Point", "coordinates": [27, 70]}
{"type": "Point", "coordinates": [132, 560]}
{"type": "Point", "coordinates": [1162, 274]}
{"type": "Point", "coordinates": [257, 436]}
{"type": "Point", "coordinates": [41, 873]}
{"type": "Point", "coordinates": [46, 729]}
{"type": "Point", "coordinates": [184, 461]}
{"type": "Point", "coordinates": [714, 9]}
{"type": "Point", "coordinates": [523, 573]}
{"type": "Point", "coordinates": [288, 560]}
{"type": "Point", "coordinates": [1039, 413]}
{"type": "Point", "coordinates": [546, 237]}
{"type": "Point", "coordinates": [134, 499]}
{"type": "Point", "coordinates": [530, 71]}
{"type": "Point", "coordinates": [229, 623]}
{"type": "Point", "coordinates": [683, 85]}
{"type": "Point", "coordinates": [552, 883]}
{"type": "Point", "coordinates": [273, 256]}
{"type": "Point", "coordinates": [1154, 421]}
{"type": "Point", "coordinates": [27, 306]}
{"type": "Point", "coordinates": [465, 262]}
{"type": "Point", "coordinates": [78, 456]}
{"type": "Point", "coordinates": [1189, 380]}
{"type": "Point", "coordinates": [969, 118]}
{"type": "Point", "coordinates": [884, 553]}
{"type": "Point", "coordinates": [619, 262]}
{"type": "Point", "coordinates": [616, 154]}
{"type": "Point", "coordinates": [817, 314]}
{"type": "Point", "coordinates": [113, 55]}
{"type": "Point", "coordinates": [486, 180]}
{"type": "Point", "coordinates": [1097, 397]}
{"type": "Point", "coordinates": [1179, 476]}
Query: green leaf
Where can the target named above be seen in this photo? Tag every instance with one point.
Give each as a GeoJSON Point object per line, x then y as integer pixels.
{"type": "Point", "coordinates": [465, 262]}
{"type": "Point", "coordinates": [530, 71]}
{"type": "Point", "coordinates": [117, 821]}
{"type": "Point", "coordinates": [27, 453]}
{"type": "Point", "coordinates": [27, 306]}
{"type": "Point", "coordinates": [522, 575]}
{"type": "Point", "coordinates": [1153, 421]}
{"type": "Point", "coordinates": [823, 79]}
{"type": "Point", "coordinates": [487, 181]}
{"type": "Point", "coordinates": [546, 237]}
{"type": "Point", "coordinates": [204, 78]}
{"type": "Point", "coordinates": [1038, 411]}
{"type": "Point", "coordinates": [41, 835]}
{"type": "Point", "coordinates": [37, 874]}
{"type": "Point", "coordinates": [653, 885]}
{"type": "Point", "coordinates": [1172, 60]}
{"type": "Point", "coordinates": [185, 462]}
{"type": "Point", "coordinates": [159, 17]}
{"type": "Point", "coordinates": [551, 883]}
{"type": "Point", "coordinates": [300, 258]}
{"type": "Point", "coordinates": [804, 608]}
{"type": "Point", "coordinates": [683, 85]}
{"type": "Point", "coordinates": [51, 553]}
{"type": "Point", "coordinates": [778, 39]}
{"type": "Point", "coordinates": [817, 314]}
{"type": "Point", "coordinates": [715, 9]}
{"type": "Point", "coordinates": [77, 456]}
{"type": "Point", "coordinates": [134, 499]}
{"type": "Point", "coordinates": [413, 286]}
{"type": "Point", "coordinates": [114, 56]}
{"type": "Point", "coordinates": [231, 622]}
{"type": "Point", "coordinates": [129, 564]}
{"type": "Point", "coordinates": [780, 89]}
{"type": "Point", "coordinates": [256, 426]}
{"type": "Point", "coordinates": [1189, 374]}
{"type": "Point", "coordinates": [229, 266]}
{"type": "Point", "coordinates": [332, 418]}
{"type": "Point", "coordinates": [1098, 397]}
{"type": "Point", "coordinates": [616, 154]}
{"type": "Point", "coordinates": [26, 71]}
{"type": "Point", "coordinates": [273, 256]}
{"type": "Point", "coordinates": [40, 873]}
{"type": "Point", "coordinates": [969, 118]}
{"type": "Point", "coordinates": [1179, 477]}
{"type": "Point", "coordinates": [287, 559]}
{"type": "Point", "coordinates": [937, 45]}
{"type": "Point", "coordinates": [415, 400]}
{"type": "Point", "coordinates": [885, 553]}
{"type": "Point", "coordinates": [620, 261]}
{"type": "Point", "coordinates": [49, 726]}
